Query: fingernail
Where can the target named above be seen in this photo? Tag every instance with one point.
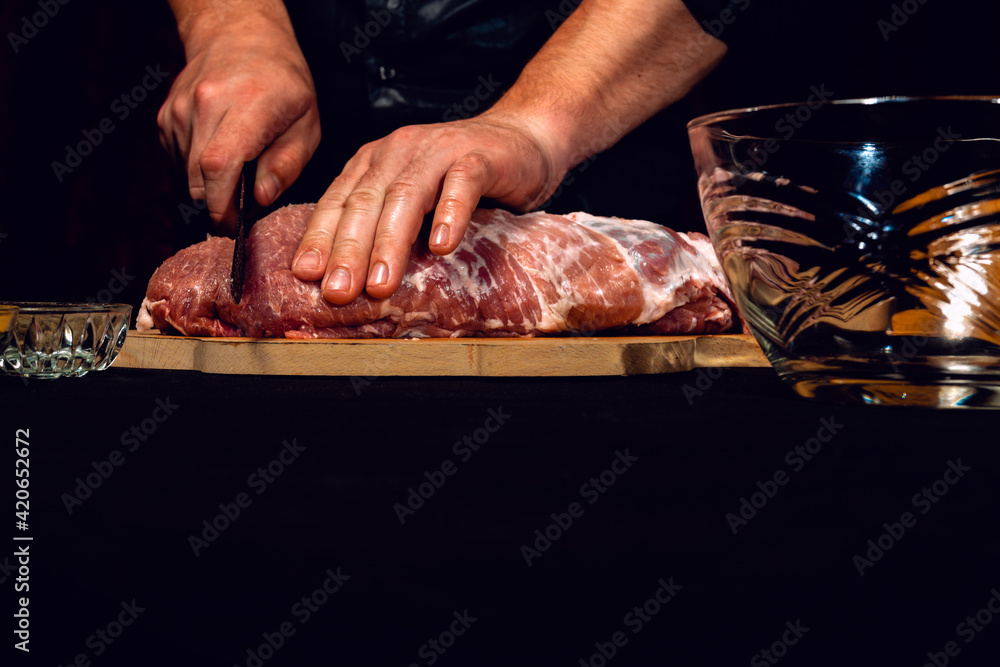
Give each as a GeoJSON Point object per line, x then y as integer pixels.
{"type": "Point", "coordinates": [309, 261]}
{"type": "Point", "coordinates": [271, 188]}
{"type": "Point", "coordinates": [339, 281]}
{"type": "Point", "coordinates": [440, 235]}
{"type": "Point", "coordinates": [379, 274]}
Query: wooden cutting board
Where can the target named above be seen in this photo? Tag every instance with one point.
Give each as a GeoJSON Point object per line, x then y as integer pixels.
{"type": "Point", "coordinates": [486, 357]}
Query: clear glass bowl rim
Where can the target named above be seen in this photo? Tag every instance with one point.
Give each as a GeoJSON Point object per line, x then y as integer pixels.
{"type": "Point", "coordinates": [715, 117]}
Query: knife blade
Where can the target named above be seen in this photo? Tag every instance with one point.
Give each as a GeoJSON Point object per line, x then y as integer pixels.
{"type": "Point", "coordinates": [238, 271]}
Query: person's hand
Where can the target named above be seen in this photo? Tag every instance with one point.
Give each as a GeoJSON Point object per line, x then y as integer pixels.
{"type": "Point", "coordinates": [246, 91]}
{"type": "Point", "coordinates": [360, 234]}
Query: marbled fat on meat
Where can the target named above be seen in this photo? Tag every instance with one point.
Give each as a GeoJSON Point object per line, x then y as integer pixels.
{"type": "Point", "coordinates": [534, 274]}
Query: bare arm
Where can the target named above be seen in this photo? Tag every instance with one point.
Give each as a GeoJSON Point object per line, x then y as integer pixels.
{"type": "Point", "coordinates": [246, 91]}
{"type": "Point", "coordinates": [609, 67]}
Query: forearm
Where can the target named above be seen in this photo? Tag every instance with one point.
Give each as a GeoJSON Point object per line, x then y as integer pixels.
{"type": "Point", "coordinates": [609, 67]}
{"type": "Point", "coordinates": [199, 20]}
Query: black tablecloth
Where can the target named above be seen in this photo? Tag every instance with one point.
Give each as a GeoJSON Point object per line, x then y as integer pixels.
{"type": "Point", "coordinates": [688, 518]}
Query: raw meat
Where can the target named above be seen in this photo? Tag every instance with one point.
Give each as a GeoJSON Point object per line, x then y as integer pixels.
{"type": "Point", "coordinates": [526, 275]}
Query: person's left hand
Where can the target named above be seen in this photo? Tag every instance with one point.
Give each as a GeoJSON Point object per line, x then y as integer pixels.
{"type": "Point", "coordinates": [360, 234]}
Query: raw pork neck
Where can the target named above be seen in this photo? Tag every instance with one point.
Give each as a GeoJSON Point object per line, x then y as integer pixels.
{"type": "Point", "coordinates": [528, 275]}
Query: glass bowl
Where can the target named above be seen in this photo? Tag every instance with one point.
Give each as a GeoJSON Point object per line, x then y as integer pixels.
{"type": "Point", "coordinates": [8, 317]}
{"type": "Point", "coordinates": [862, 242]}
{"type": "Point", "coordinates": [53, 340]}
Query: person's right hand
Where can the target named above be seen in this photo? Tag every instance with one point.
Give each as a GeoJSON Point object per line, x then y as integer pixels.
{"type": "Point", "coordinates": [246, 92]}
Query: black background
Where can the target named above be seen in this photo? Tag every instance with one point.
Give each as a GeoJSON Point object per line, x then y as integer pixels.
{"type": "Point", "coordinates": [368, 443]}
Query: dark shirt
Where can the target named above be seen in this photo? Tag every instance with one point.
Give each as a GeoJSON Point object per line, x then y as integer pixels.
{"type": "Point", "coordinates": [419, 62]}
{"type": "Point", "coordinates": [382, 64]}
{"type": "Point", "coordinates": [388, 63]}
